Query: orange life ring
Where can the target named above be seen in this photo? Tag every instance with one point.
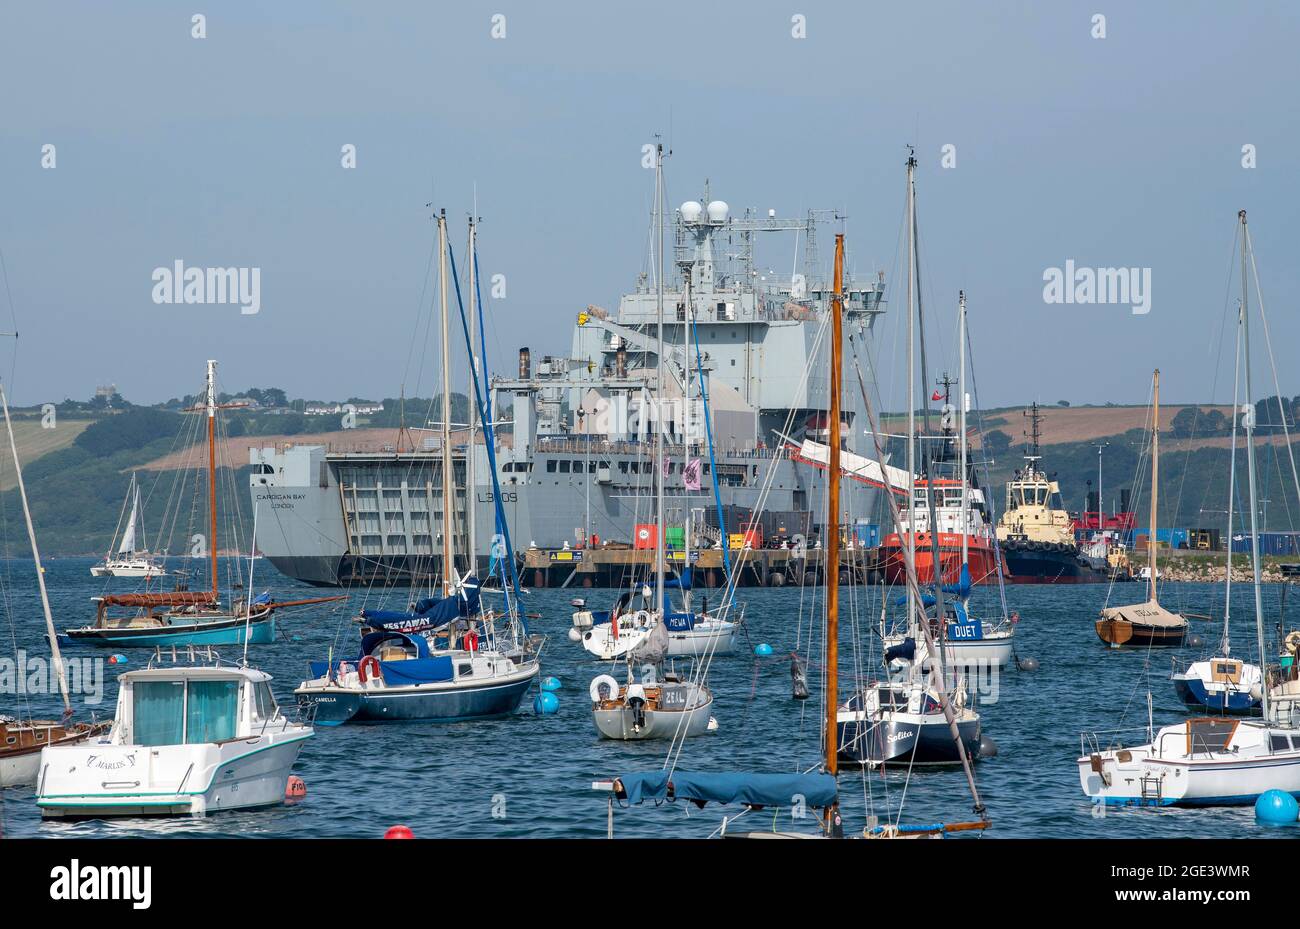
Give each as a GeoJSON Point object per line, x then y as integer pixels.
{"type": "Point", "coordinates": [471, 641]}
{"type": "Point", "coordinates": [369, 661]}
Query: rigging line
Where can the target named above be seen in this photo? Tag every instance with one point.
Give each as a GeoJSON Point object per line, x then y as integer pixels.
{"type": "Point", "coordinates": [988, 478]}
{"type": "Point", "coordinates": [1268, 343]}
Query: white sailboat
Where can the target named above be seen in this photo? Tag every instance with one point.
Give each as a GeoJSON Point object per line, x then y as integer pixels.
{"type": "Point", "coordinates": [1208, 761]}
{"type": "Point", "coordinates": [130, 561]}
{"type": "Point", "coordinates": [22, 740]}
{"type": "Point", "coordinates": [644, 708]}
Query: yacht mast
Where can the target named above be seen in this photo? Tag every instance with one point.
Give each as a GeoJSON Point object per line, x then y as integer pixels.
{"type": "Point", "coordinates": [1225, 645]}
{"type": "Point", "coordinates": [961, 420]}
{"type": "Point", "coordinates": [831, 569]}
{"type": "Point", "coordinates": [212, 471]}
{"type": "Point", "coordinates": [1155, 478]}
{"type": "Point", "coordinates": [448, 489]}
{"type": "Point", "coordinates": [659, 381]}
{"type": "Point", "coordinates": [59, 669]}
{"type": "Point", "coordinates": [471, 494]}
{"type": "Point", "coordinates": [1249, 417]}
{"type": "Point", "coordinates": [911, 382]}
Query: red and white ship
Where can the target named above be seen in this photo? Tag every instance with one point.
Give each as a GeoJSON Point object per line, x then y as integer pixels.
{"type": "Point", "coordinates": [951, 522]}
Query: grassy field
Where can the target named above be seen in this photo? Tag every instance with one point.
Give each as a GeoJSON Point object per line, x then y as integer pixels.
{"type": "Point", "coordinates": [34, 441]}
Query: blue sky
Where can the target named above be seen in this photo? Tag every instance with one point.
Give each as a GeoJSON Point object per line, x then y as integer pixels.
{"type": "Point", "coordinates": [225, 151]}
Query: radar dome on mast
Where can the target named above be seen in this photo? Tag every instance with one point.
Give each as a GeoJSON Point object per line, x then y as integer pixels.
{"type": "Point", "coordinates": [691, 211]}
{"type": "Point", "coordinates": [718, 211]}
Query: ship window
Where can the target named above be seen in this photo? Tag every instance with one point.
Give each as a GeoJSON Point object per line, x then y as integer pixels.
{"type": "Point", "coordinates": [1279, 743]}
{"type": "Point", "coordinates": [564, 467]}
{"type": "Point", "coordinates": [263, 701]}
{"type": "Point", "coordinates": [550, 465]}
{"type": "Point", "coordinates": [157, 712]}
{"type": "Point", "coordinates": [210, 711]}
{"type": "Point", "coordinates": [578, 467]}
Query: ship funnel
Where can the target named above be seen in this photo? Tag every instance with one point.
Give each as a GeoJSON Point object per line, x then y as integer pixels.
{"type": "Point", "coordinates": [525, 364]}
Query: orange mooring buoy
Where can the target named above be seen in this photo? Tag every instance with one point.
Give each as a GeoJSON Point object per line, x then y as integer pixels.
{"type": "Point", "coordinates": [399, 832]}
{"type": "Point", "coordinates": [295, 789]}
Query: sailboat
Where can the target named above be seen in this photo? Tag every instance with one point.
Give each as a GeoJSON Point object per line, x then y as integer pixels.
{"type": "Point", "coordinates": [1146, 625]}
{"type": "Point", "coordinates": [446, 659]}
{"type": "Point", "coordinates": [915, 715]}
{"type": "Point", "coordinates": [130, 561]}
{"type": "Point", "coordinates": [187, 617]}
{"type": "Point", "coordinates": [1207, 761]}
{"type": "Point", "coordinates": [1222, 682]}
{"type": "Point", "coordinates": [644, 708]}
{"type": "Point", "coordinates": [818, 790]}
{"type": "Point", "coordinates": [968, 641]}
{"type": "Point", "coordinates": [22, 740]}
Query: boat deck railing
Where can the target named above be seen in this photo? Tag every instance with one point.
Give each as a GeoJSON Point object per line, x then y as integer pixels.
{"type": "Point", "coordinates": [1096, 741]}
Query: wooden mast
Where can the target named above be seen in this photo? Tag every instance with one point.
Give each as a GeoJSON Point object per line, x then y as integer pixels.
{"type": "Point", "coordinates": [831, 568]}
{"type": "Point", "coordinates": [448, 491]}
{"type": "Point", "coordinates": [212, 471]}
{"type": "Point", "coordinates": [1155, 478]}
{"type": "Point", "coordinates": [59, 669]}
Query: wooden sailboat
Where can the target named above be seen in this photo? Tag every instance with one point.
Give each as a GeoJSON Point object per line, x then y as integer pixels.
{"type": "Point", "coordinates": [22, 740]}
{"type": "Point", "coordinates": [1146, 625]}
{"type": "Point", "coordinates": [188, 617]}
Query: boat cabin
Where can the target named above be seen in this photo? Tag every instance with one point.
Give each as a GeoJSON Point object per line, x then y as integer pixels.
{"type": "Point", "coordinates": [191, 705]}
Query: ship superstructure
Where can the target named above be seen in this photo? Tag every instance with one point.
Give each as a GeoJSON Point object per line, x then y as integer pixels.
{"type": "Point", "coordinates": [577, 430]}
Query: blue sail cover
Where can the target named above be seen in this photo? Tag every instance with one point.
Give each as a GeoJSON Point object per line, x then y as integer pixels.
{"type": "Point", "coordinates": [424, 668]}
{"type": "Point", "coordinates": [679, 583]}
{"type": "Point", "coordinates": [429, 613]}
{"type": "Point", "coordinates": [751, 789]}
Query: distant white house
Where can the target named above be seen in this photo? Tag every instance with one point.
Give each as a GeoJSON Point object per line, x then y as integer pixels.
{"type": "Point", "coordinates": [334, 409]}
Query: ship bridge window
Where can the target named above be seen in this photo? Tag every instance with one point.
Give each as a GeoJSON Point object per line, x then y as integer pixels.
{"type": "Point", "coordinates": [579, 467]}
{"type": "Point", "coordinates": [550, 465]}
{"type": "Point", "coordinates": [265, 469]}
{"type": "Point", "coordinates": [622, 466]}
{"type": "Point", "coordinates": [564, 466]}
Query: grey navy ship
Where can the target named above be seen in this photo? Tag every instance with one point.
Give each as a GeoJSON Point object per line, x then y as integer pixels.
{"type": "Point", "coordinates": [575, 445]}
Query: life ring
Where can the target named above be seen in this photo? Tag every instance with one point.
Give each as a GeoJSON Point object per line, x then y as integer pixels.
{"type": "Point", "coordinates": [604, 680]}
{"type": "Point", "coordinates": [369, 661]}
{"type": "Point", "coordinates": [471, 641]}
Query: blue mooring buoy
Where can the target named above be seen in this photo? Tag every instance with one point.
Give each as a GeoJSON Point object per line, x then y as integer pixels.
{"type": "Point", "coordinates": [546, 703]}
{"type": "Point", "coordinates": [762, 649]}
{"type": "Point", "coordinates": [550, 683]}
{"type": "Point", "coordinates": [1277, 808]}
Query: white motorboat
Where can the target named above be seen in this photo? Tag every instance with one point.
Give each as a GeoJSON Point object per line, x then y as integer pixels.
{"type": "Point", "coordinates": [1211, 761]}
{"type": "Point", "coordinates": [690, 635]}
{"type": "Point", "coordinates": [189, 739]}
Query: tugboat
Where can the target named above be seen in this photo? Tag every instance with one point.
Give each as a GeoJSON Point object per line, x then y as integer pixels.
{"type": "Point", "coordinates": [958, 511]}
{"type": "Point", "coordinates": [1036, 535]}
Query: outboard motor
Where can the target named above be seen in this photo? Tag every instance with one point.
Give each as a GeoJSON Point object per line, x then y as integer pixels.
{"type": "Point", "coordinates": [636, 702]}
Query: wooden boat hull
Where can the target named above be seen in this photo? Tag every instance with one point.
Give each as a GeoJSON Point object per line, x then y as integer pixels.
{"type": "Point", "coordinates": [1122, 633]}
{"type": "Point", "coordinates": [20, 759]}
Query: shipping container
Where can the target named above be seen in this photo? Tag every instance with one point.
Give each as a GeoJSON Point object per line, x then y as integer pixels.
{"type": "Point", "coordinates": [866, 535]}
{"type": "Point", "coordinates": [1270, 543]}
{"type": "Point", "coordinates": [675, 537]}
{"type": "Point", "coordinates": [645, 536]}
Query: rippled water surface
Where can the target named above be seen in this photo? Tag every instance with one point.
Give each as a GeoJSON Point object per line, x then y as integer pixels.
{"type": "Point", "coordinates": [531, 776]}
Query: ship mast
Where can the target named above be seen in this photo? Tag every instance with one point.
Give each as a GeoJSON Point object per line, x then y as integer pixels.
{"type": "Point", "coordinates": [911, 382]}
{"type": "Point", "coordinates": [831, 569]}
{"type": "Point", "coordinates": [1249, 418]}
{"type": "Point", "coordinates": [59, 670]}
{"type": "Point", "coordinates": [659, 382]}
{"type": "Point", "coordinates": [448, 498]}
{"type": "Point", "coordinates": [1155, 478]}
{"type": "Point", "coordinates": [212, 471]}
{"type": "Point", "coordinates": [961, 421]}
{"type": "Point", "coordinates": [471, 493]}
